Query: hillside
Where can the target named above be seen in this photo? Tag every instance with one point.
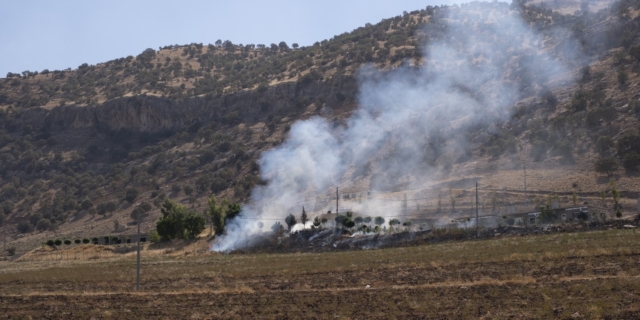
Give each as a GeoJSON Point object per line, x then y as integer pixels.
{"type": "Point", "coordinates": [81, 149]}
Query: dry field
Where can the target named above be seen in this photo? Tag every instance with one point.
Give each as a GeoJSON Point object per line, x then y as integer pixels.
{"type": "Point", "coordinates": [565, 275]}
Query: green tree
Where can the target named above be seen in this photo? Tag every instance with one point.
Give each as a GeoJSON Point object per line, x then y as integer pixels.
{"type": "Point", "coordinates": [171, 224]}
{"type": "Point", "coordinates": [58, 242]}
{"type": "Point", "coordinates": [615, 194]}
{"type": "Point", "coordinates": [77, 241]}
{"type": "Point", "coordinates": [378, 221]}
{"type": "Point", "coordinates": [304, 218]}
{"type": "Point", "coordinates": [216, 215]}
{"type": "Point", "coordinates": [86, 240]}
{"type": "Point", "coordinates": [291, 221]}
{"type": "Point", "coordinates": [193, 224]}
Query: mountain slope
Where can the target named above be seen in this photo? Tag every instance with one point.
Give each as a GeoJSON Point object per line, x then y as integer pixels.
{"type": "Point", "coordinates": [187, 121]}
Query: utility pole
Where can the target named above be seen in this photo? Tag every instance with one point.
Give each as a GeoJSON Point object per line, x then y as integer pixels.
{"type": "Point", "coordinates": [524, 166]}
{"type": "Point", "coordinates": [138, 258]}
{"type": "Point", "coordinates": [337, 198]}
{"type": "Point", "coordinates": [476, 210]}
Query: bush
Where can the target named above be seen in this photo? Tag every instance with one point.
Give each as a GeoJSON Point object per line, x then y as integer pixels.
{"type": "Point", "coordinates": [58, 242]}
{"type": "Point", "coordinates": [85, 240]}
{"type": "Point", "coordinates": [67, 241]}
{"type": "Point", "coordinates": [606, 165]}
{"type": "Point", "coordinates": [11, 251]}
{"type": "Point", "coordinates": [95, 240]}
{"type": "Point", "coordinates": [154, 236]}
{"type": "Point", "coordinates": [77, 241]}
{"type": "Point", "coordinates": [23, 226]}
{"type": "Point", "coordinates": [50, 243]}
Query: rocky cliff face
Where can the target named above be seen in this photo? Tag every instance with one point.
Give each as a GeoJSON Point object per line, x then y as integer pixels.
{"type": "Point", "coordinates": [153, 114]}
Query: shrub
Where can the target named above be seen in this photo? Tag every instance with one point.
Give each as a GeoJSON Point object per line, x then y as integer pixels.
{"type": "Point", "coordinates": [50, 243]}
{"type": "Point", "coordinates": [579, 101]}
{"type": "Point", "coordinates": [95, 240]}
{"type": "Point", "coordinates": [604, 143]}
{"type": "Point", "coordinates": [11, 251]}
{"type": "Point", "coordinates": [43, 224]}
{"type": "Point", "coordinates": [628, 143]}
{"type": "Point", "coordinates": [85, 240]}
{"type": "Point", "coordinates": [154, 236]}
{"type": "Point", "coordinates": [606, 165]}
{"type": "Point", "coordinates": [58, 242]}
{"type": "Point", "coordinates": [131, 195]}
{"type": "Point", "coordinates": [77, 241]}
{"type": "Point", "coordinates": [23, 226]}
{"type": "Point", "coordinates": [631, 161]}
{"type": "Point", "coordinates": [67, 241]}
{"type": "Point", "coordinates": [622, 77]}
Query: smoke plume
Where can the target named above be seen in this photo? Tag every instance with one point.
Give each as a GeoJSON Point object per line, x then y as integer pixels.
{"type": "Point", "coordinates": [412, 120]}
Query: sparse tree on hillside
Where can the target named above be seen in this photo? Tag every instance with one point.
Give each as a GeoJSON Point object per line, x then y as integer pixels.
{"type": "Point", "coordinates": [86, 204]}
{"type": "Point", "coordinates": [131, 195]}
{"type": "Point", "coordinates": [607, 165]}
{"type": "Point", "coordinates": [23, 226]}
{"type": "Point", "coordinates": [43, 224]}
{"type": "Point", "coordinates": [622, 77]}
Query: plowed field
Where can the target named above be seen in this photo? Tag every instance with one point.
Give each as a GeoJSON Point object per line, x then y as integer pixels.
{"type": "Point", "coordinates": [570, 275]}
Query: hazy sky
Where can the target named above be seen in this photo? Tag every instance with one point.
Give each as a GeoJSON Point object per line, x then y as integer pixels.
{"type": "Point", "coordinates": [37, 35]}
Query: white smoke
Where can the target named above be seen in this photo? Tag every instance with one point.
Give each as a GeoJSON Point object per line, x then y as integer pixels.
{"type": "Point", "coordinates": [471, 78]}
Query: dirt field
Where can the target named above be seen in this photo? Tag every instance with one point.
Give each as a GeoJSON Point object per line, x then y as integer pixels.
{"type": "Point", "coordinates": [564, 275]}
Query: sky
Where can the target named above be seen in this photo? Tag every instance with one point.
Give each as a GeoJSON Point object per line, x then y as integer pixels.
{"type": "Point", "coordinates": [55, 35]}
